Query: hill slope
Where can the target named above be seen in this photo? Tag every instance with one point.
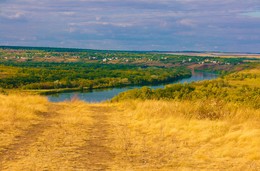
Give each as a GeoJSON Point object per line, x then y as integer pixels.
{"type": "Point", "coordinates": [138, 135]}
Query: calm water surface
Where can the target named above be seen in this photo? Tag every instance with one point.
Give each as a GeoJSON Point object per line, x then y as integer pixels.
{"type": "Point", "coordinates": [100, 95]}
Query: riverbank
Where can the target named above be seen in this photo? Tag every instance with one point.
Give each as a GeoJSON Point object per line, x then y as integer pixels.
{"type": "Point", "coordinates": [98, 87]}
{"type": "Point", "coordinates": [99, 95]}
{"type": "Point", "coordinates": [136, 134]}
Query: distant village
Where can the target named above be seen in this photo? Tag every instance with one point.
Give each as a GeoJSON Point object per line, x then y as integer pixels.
{"type": "Point", "coordinates": [114, 58]}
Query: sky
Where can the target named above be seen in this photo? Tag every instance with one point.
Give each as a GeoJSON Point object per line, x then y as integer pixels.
{"type": "Point", "coordinates": [166, 25]}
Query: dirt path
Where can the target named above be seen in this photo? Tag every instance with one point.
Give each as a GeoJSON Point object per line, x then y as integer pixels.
{"type": "Point", "coordinates": [19, 147]}
{"type": "Point", "coordinates": [95, 153]}
{"type": "Point", "coordinates": [62, 142]}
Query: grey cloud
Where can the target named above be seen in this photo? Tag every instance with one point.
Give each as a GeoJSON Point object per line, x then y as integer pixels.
{"type": "Point", "coordinates": [132, 24]}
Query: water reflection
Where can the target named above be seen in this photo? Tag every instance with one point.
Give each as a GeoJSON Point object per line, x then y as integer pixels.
{"type": "Point", "coordinates": [100, 95]}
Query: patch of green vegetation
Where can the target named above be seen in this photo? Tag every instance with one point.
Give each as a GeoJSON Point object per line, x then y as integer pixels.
{"type": "Point", "coordinates": [39, 68]}
{"type": "Point", "coordinates": [221, 89]}
{"type": "Point", "coordinates": [41, 54]}
{"type": "Point", "coordinates": [35, 75]}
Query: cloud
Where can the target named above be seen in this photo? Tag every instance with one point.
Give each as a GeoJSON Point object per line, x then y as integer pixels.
{"type": "Point", "coordinates": [132, 24]}
{"type": "Point", "coordinates": [15, 16]}
{"type": "Point", "coordinates": [68, 13]}
{"type": "Point", "coordinates": [255, 14]}
{"type": "Point", "coordinates": [187, 22]}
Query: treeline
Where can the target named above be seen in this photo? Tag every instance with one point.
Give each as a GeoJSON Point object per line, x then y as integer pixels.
{"type": "Point", "coordinates": [103, 56]}
{"type": "Point", "coordinates": [33, 75]}
{"type": "Point", "coordinates": [214, 89]}
{"type": "Point", "coordinates": [59, 49]}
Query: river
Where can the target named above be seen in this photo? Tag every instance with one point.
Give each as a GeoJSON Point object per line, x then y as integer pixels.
{"type": "Point", "coordinates": [99, 95]}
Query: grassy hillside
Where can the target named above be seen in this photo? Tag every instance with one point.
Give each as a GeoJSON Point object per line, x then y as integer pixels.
{"type": "Point", "coordinates": [239, 87]}
{"type": "Point", "coordinates": [129, 135]}
{"type": "Point", "coordinates": [37, 135]}
{"type": "Point", "coordinates": [137, 133]}
{"type": "Point", "coordinates": [170, 135]}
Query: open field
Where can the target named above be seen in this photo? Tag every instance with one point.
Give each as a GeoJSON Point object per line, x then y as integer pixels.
{"type": "Point", "coordinates": [210, 125]}
{"type": "Point", "coordinates": [250, 78]}
{"type": "Point", "coordinates": [129, 135]}
{"type": "Point", "coordinates": [168, 135]}
{"type": "Point", "coordinates": [219, 54]}
{"type": "Point", "coordinates": [38, 135]}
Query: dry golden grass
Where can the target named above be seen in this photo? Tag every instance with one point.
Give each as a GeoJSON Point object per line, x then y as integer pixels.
{"type": "Point", "coordinates": [170, 135]}
{"type": "Point", "coordinates": [246, 82]}
{"type": "Point", "coordinates": [250, 77]}
{"type": "Point", "coordinates": [132, 135]}
{"type": "Point", "coordinates": [18, 113]}
{"type": "Point", "coordinates": [38, 135]}
{"type": "Point", "coordinates": [57, 146]}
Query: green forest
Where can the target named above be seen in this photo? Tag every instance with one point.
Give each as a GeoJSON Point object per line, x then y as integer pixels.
{"type": "Point", "coordinates": [32, 68]}
{"type": "Point", "coordinates": [80, 75]}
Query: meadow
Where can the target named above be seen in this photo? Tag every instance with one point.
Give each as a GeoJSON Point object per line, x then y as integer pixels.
{"type": "Point", "coordinates": [207, 125]}
{"type": "Point", "coordinates": [133, 133]}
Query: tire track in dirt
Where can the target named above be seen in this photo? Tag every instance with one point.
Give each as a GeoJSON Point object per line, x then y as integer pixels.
{"type": "Point", "coordinates": [95, 154]}
{"type": "Point", "coordinates": [19, 147]}
{"type": "Point", "coordinates": [49, 138]}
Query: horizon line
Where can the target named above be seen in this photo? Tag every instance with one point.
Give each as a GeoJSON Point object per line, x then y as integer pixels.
{"type": "Point", "coordinates": [160, 51]}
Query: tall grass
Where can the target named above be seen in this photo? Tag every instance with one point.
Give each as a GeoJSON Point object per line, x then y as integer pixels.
{"type": "Point", "coordinates": [17, 113]}
{"type": "Point", "coordinates": [145, 135]}
{"type": "Point", "coordinates": [54, 132]}
{"type": "Point", "coordinates": [20, 107]}
{"type": "Point", "coordinates": [187, 135]}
